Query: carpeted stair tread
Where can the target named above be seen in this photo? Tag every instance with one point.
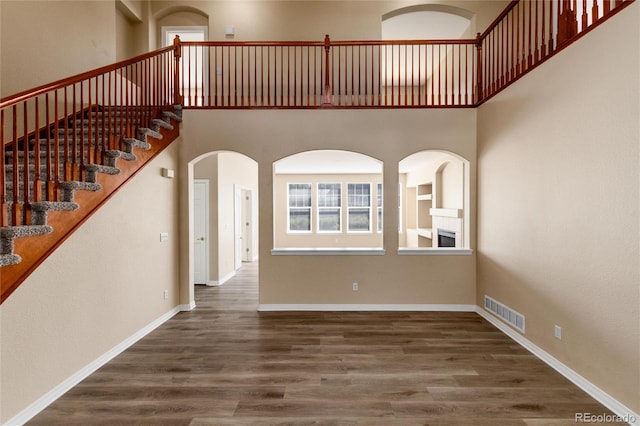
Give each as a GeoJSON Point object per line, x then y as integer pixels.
{"type": "Point", "coordinates": [133, 142]}
{"type": "Point", "coordinates": [84, 186]}
{"type": "Point", "coordinates": [11, 232]}
{"type": "Point", "coordinates": [161, 124]}
{"type": "Point", "coordinates": [9, 259]}
{"type": "Point", "coordinates": [114, 153]}
{"type": "Point", "coordinates": [172, 115]}
{"type": "Point", "coordinates": [41, 206]}
{"type": "Point", "coordinates": [144, 132]}
{"type": "Point", "coordinates": [102, 169]}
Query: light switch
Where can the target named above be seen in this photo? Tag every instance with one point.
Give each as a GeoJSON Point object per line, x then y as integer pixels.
{"type": "Point", "coordinates": [164, 236]}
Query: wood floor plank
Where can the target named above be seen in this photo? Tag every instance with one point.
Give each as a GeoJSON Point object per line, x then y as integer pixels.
{"type": "Point", "coordinates": [224, 363]}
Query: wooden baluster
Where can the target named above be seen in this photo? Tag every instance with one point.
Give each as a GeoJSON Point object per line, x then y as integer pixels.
{"type": "Point", "coordinates": [543, 51]}
{"type": "Point", "coordinates": [88, 142]}
{"type": "Point", "coordinates": [37, 179]}
{"type": "Point", "coordinates": [235, 76]}
{"type": "Point", "coordinates": [501, 55]}
{"type": "Point", "coordinates": [26, 174]}
{"type": "Point", "coordinates": [50, 181]}
{"type": "Point", "coordinates": [4, 214]}
{"type": "Point", "coordinates": [594, 12]}
{"type": "Point", "coordinates": [66, 147]}
{"type": "Point", "coordinates": [494, 62]}
{"type": "Point", "coordinates": [281, 49]}
{"type": "Point", "coordinates": [551, 46]}
{"type": "Point", "coordinates": [516, 41]}
{"type": "Point", "coordinates": [536, 55]}
{"type": "Point", "coordinates": [255, 77]}
{"type": "Point", "coordinates": [585, 19]}
{"type": "Point", "coordinates": [512, 68]}
{"type": "Point", "coordinates": [433, 74]}
{"type": "Point", "coordinates": [529, 38]}
{"type": "Point", "coordinates": [446, 75]}
{"type": "Point", "coordinates": [56, 149]}
{"type": "Point", "coordinates": [523, 54]}
{"type": "Point", "coordinates": [15, 206]}
{"type": "Point", "coordinates": [607, 7]}
{"type": "Point", "coordinates": [327, 86]}
{"type": "Point", "coordinates": [420, 73]}
{"type": "Point", "coordinates": [459, 84]}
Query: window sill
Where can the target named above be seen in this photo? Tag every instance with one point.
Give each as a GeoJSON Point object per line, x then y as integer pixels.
{"type": "Point", "coordinates": [328, 252]}
{"type": "Point", "coordinates": [434, 251]}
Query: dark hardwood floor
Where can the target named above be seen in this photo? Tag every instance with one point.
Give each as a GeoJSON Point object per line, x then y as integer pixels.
{"type": "Point", "coordinates": [226, 364]}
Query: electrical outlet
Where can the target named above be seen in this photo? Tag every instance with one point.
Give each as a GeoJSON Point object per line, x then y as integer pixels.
{"type": "Point", "coordinates": [165, 294]}
{"type": "Point", "coordinates": [355, 286]}
{"type": "Point", "coordinates": [557, 331]}
{"type": "Point", "coordinates": [164, 236]}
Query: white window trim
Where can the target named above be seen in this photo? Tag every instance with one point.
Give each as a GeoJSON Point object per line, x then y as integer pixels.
{"type": "Point", "coordinates": [289, 230]}
{"type": "Point", "coordinates": [370, 230]}
{"type": "Point", "coordinates": [318, 208]}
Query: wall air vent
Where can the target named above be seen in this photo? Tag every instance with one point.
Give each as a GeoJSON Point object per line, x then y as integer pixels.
{"type": "Point", "coordinates": [505, 313]}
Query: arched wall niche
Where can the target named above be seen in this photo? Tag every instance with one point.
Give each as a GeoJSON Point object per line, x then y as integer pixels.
{"type": "Point", "coordinates": [178, 16]}
{"type": "Point", "coordinates": [428, 21]}
{"type": "Point", "coordinates": [434, 188]}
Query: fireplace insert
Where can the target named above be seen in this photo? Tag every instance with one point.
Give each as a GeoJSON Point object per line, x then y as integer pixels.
{"type": "Point", "coordinates": [446, 238]}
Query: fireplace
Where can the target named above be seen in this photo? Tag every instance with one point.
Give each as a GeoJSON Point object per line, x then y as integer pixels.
{"type": "Point", "coordinates": [446, 238]}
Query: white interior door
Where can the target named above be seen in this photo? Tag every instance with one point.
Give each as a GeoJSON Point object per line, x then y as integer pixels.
{"type": "Point", "coordinates": [201, 231]}
{"type": "Point", "coordinates": [237, 222]}
{"type": "Point", "coordinates": [247, 228]}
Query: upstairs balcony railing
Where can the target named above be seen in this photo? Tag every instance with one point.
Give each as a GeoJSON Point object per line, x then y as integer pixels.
{"type": "Point", "coordinates": [385, 74]}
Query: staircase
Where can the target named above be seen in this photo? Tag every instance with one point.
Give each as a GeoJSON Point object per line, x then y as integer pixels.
{"type": "Point", "coordinates": [82, 161]}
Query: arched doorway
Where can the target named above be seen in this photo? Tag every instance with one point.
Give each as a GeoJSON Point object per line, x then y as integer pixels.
{"type": "Point", "coordinates": [223, 213]}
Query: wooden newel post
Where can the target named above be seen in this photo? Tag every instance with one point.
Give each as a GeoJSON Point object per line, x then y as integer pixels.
{"type": "Point", "coordinates": [177, 53]}
{"type": "Point", "coordinates": [479, 94]}
{"type": "Point", "coordinates": [327, 86]}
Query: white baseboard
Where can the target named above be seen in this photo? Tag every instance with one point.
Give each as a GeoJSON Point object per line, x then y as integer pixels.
{"type": "Point", "coordinates": [187, 306]}
{"type": "Point", "coordinates": [364, 307]}
{"type": "Point", "coordinates": [598, 394]}
{"type": "Point", "coordinates": [222, 280]}
{"type": "Point", "coordinates": [55, 393]}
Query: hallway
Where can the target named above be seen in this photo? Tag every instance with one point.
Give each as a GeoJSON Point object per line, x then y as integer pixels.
{"type": "Point", "coordinates": [224, 363]}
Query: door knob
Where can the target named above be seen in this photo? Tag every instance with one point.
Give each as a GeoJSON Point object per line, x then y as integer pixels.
{"type": "Point", "coordinates": [201, 239]}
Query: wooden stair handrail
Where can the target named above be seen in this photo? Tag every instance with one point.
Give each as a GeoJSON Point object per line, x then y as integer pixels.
{"type": "Point", "coordinates": [11, 100]}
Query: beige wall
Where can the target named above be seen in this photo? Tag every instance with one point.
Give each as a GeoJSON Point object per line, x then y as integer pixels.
{"type": "Point", "coordinates": [40, 42]}
{"type": "Point", "coordinates": [558, 191]}
{"type": "Point", "coordinates": [309, 20]}
{"type": "Point", "coordinates": [103, 285]}
{"type": "Point", "coordinates": [285, 239]}
{"type": "Point", "coordinates": [389, 136]}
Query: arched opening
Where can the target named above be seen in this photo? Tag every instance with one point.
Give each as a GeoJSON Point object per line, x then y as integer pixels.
{"type": "Point", "coordinates": [327, 199]}
{"type": "Point", "coordinates": [223, 212]}
{"type": "Point", "coordinates": [434, 201]}
{"type": "Point", "coordinates": [427, 22]}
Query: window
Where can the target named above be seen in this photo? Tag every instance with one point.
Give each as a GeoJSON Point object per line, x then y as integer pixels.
{"type": "Point", "coordinates": [359, 207]}
{"type": "Point", "coordinates": [379, 195]}
{"type": "Point", "coordinates": [329, 207]}
{"type": "Point", "coordinates": [299, 204]}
